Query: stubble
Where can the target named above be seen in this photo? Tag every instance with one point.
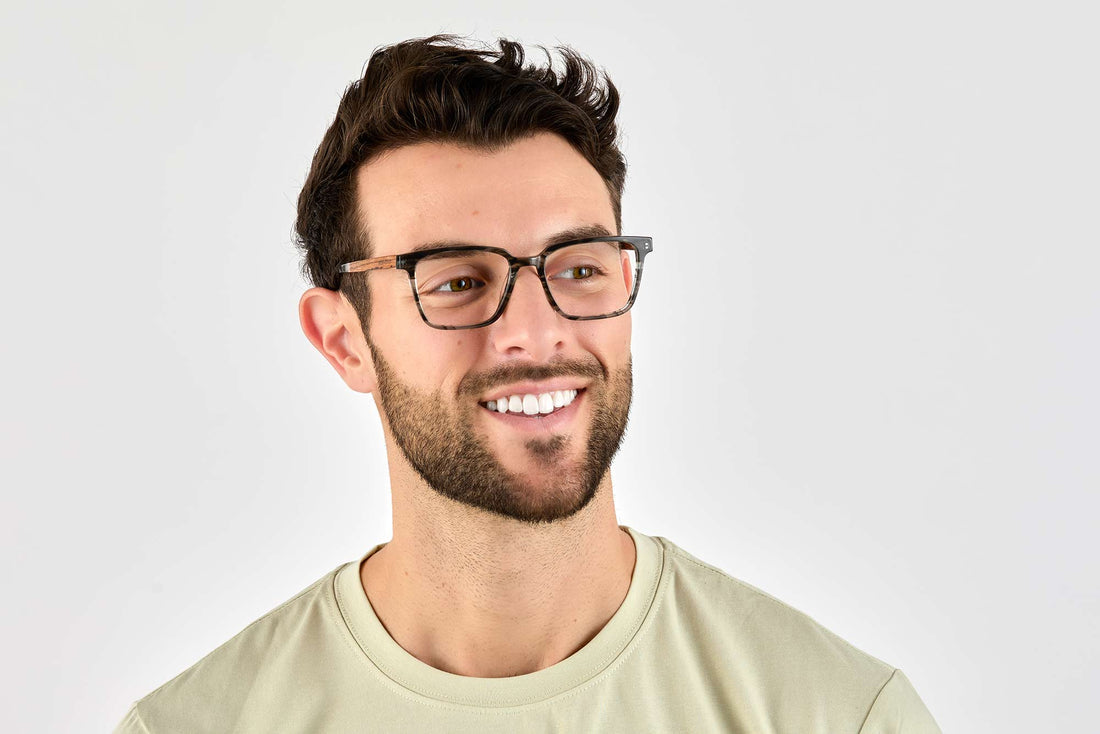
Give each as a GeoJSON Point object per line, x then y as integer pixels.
{"type": "Point", "coordinates": [436, 434]}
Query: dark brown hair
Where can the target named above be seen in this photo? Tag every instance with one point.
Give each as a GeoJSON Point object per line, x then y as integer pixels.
{"type": "Point", "coordinates": [435, 89]}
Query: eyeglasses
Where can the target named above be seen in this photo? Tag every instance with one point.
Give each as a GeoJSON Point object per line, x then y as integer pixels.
{"type": "Point", "coordinates": [466, 287]}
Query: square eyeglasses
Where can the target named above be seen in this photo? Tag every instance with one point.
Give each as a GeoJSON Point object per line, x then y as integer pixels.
{"type": "Point", "coordinates": [468, 286]}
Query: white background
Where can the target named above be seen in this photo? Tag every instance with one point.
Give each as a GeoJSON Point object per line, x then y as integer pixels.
{"type": "Point", "coordinates": [865, 349]}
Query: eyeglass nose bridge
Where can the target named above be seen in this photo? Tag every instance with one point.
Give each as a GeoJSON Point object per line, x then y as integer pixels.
{"type": "Point", "coordinates": [514, 264]}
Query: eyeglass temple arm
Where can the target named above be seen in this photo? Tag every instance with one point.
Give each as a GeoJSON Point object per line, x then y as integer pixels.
{"type": "Point", "coordinates": [375, 263]}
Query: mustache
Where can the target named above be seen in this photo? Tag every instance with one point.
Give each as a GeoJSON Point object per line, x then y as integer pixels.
{"type": "Point", "coordinates": [477, 383]}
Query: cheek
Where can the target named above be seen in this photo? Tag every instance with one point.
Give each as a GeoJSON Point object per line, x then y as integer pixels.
{"type": "Point", "coordinates": [607, 340]}
{"type": "Point", "coordinates": [435, 358]}
{"type": "Point", "coordinates": [393, 312]}
{"type": "Point", "coordinates": [625, 328]}
{"type": "Point", "coordinates": [619, 329]}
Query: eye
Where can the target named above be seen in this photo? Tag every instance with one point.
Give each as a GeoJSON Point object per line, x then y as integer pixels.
{"type": "Point", "coordinates": [458, 285]}
{"type": "Point", "coordinates": [578, 272]}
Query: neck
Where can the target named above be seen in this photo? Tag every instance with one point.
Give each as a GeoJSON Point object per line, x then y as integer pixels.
{"type": "Point", "coordinates": [480, 595]}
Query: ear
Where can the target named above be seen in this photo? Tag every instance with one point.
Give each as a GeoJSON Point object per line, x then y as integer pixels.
{"type": "Point", "coordinates": [332, 326]}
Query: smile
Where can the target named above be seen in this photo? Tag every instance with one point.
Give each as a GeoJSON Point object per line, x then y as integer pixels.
{"type": "Point", "coordinates": [533, 405]}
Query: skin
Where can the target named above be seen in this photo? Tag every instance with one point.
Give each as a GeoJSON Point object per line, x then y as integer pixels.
{"type": "Point", "coordinates": [470, 590]}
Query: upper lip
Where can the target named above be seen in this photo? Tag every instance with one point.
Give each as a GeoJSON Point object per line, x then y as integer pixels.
{"type": "Point", "coordinates": [535, 388]}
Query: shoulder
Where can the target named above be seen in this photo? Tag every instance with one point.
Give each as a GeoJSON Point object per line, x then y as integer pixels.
{"type": "Point", "coordinates": [761, 621]}
{"type": "Point", "coordinates": [211, 691]}
{"type": "Point", "coordinates": [787, 662]}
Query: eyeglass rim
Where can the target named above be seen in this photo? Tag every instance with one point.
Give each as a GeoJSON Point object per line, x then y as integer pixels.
{"type": "Point", "coordinates": [642, 246]}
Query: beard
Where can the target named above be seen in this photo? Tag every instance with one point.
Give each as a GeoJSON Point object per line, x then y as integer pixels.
{"type": "Point", "coordinates": [437, 436]}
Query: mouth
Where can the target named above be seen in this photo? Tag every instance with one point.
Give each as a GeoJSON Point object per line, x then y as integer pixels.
{"type": "Point", "coordinates": [533, 405]}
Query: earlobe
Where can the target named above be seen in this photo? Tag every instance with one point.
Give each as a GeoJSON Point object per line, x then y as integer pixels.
{"type": "Point", "coordinates": [332, 327]}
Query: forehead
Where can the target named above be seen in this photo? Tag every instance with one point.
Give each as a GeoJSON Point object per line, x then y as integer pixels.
{"type": "Point", "coordinates": [515, 197]}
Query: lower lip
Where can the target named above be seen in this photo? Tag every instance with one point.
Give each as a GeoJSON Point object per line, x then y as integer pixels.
{"type": "Point", "coordinates": [537, 423]}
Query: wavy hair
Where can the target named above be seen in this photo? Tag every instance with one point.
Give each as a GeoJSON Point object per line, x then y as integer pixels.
{"type": "Point", "coordinates": [437, 89]}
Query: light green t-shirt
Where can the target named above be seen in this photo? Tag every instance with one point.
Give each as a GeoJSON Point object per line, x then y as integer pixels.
{"type": "Point", "coordinates": [690, 650]}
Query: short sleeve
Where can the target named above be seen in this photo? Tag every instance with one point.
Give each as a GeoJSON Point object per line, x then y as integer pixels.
{"type": "Point", "coordinates": [899, 710]}
{"type": "Point", "coordinates": [132, 724]}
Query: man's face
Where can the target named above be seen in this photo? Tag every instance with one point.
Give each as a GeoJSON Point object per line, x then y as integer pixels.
{"type": "Point", "coordinates": [433, 385]}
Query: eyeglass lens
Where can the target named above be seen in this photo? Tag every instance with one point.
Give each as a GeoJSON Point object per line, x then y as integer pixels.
{"type": "Point", "coordinates": [462, 288]}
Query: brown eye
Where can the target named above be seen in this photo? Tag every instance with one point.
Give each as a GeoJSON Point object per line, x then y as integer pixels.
{"type": "Point", "coordinates": [581, 272]}
{"type": "Point", "coordinates": [458, 285]}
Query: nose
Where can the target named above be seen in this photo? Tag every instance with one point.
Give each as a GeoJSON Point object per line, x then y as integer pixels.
{"type": "Point", "coordinates": [529, 326]}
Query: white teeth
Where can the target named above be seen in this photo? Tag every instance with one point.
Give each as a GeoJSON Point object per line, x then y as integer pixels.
{"type": "Point", "coordinates": [529, 404]}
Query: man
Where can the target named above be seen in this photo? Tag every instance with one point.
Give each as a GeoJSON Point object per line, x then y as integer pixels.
{"type": "Point", "coordinates": [461, 224]}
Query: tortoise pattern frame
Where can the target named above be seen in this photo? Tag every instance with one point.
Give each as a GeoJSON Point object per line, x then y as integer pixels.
{"type": "Point", "coordinates": [642, 246]}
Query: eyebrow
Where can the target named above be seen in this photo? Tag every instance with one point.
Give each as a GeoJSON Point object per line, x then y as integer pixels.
{"type": "Point", "coordinates": [566, 235]}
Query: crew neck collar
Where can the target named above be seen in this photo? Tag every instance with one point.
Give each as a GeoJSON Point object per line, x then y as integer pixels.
{"type": "Point", "coordinates": [597, 656]}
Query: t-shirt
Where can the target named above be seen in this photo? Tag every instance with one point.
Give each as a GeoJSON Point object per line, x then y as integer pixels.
{"type": "Point", "coordinates": [690, 649]}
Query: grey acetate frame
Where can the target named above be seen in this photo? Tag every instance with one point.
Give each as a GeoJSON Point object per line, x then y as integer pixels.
{"type": "Point", "coordinates": [641, 246]}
